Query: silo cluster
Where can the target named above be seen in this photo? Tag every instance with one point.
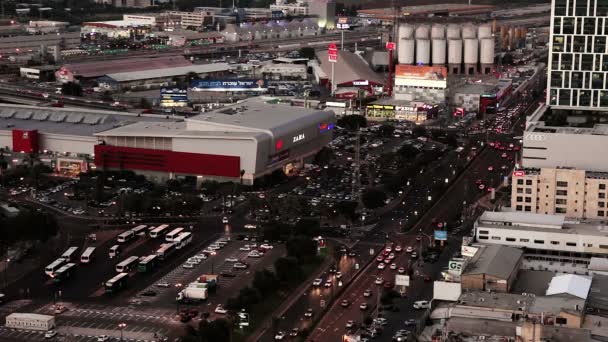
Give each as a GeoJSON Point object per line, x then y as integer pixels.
{"type": "Point", "coordinates": [454, 45]}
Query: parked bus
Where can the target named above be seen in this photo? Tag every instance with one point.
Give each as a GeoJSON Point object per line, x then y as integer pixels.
{"type": "Point", "coordinates": [125, 236]}
{"type": "Point", "coordinates": [87, 256]}
{"type": "Point", "coordinates": [183, 240]}
{"type": "Point", "coordinates": [127, 264]}
{"type": "Point", "coordinates": [114, 251]}
{"type": "Point", "coordinates": [139, 230]}
{"type": "Point", "coordinates": [158, 231]}
{"type": "Point", "coordinates": [173, 234]}
{"type": "Point", "coordinates": [116, 283]}
{"type": "Point", "coordinates": [64, 272]}
{"type": "Point", "coordinates": [147, 263]}
{"type": "Point", "coordinates": [69, 254]}
{"type": "Point", "coordinates": [53, 267]}
{"type": "Point", "coordinates": [165, 250]}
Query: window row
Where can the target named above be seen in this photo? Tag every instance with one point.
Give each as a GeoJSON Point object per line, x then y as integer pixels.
{"type": "Point", "coordinates": [581, 8]}
{"type": "Point", "coordinates": [579, 62]}
{"type": "Point", "coordinates": [577, 25]}
{"type": "Point", "coordinates": [579, 97]}
{"type": "Point", "coordinates": [579, 44]}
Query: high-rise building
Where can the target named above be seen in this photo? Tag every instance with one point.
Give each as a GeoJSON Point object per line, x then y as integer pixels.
{"type": "Point", "coordinates": [578, 59]}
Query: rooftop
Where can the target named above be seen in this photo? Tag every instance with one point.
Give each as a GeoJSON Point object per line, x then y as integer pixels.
{"type": "Point", "coordinates": [495, 300]}
{"type": "Point", "coordinates": [531, 281]}
{"type": "Point", "coordinates": [598, 297]}
{"type": "Point", "coordinates": [496, 260]}
{"type": "Point", "coordinates": [168, 72]}
{"type": "Point", "coordinates": [425, 10]}
{"type": "Point", "coordinates": [571, 284]}
{"type": "Point", "coordinates": [100, 68]}
{"type": "Point", "coordinates": [350, 67]}
{"type": "Point", "coordinates": [522, 218]}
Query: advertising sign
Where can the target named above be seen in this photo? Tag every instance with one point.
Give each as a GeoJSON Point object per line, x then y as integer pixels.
{"type": "Point", "coordinates": [384, 107]}
{"type": "Point", "coordinates": [402, 280]}
{"type": "Point", "coordinates": [441, 235]}
{"type": "Point", "coordinates": [468, 251]}
{"type": "Point", "coordinates": [254, 85]}
{"type": "Point", "coordinates": [422, 72]}
{"type": "Point", "coordinates": [173, 97]}
{"type": "Point", "coordinates": [332, 53]}
{"type": "Point", "coordinates": [455, 266]}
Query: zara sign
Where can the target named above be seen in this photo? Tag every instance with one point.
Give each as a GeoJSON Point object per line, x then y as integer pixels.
{"type": "Point", "coordinates": [299, 137]}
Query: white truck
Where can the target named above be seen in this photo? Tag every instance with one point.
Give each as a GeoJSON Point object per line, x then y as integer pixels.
{"type": "Point", "coordinates": [30, 321]}
{"type": "Point", "coordinates": [194, 292]}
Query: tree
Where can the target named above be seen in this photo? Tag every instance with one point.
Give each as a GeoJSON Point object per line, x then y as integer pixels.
{"type": "Point", "coordinates": [303, 248]}
{"type": "Point", "coordinates": [352, 122]}
{"type": "Point", "coordinates": [72, 89]}
{"type": "Point", "coordinates": [386, 130]}
{"type": "Point", "coordinates": [308, 227]}
{"type": "Point", "coordinates": [191, 76]}
{"type": "Point", "coordinates": [347, 209]}
{"type": "Point", "coordinates": [145, 103]}
{"type": "Point", "coordinates": [324, 156]}
{"type": "Point", "coordinates": [216, 330]}
{"type": "Point", "coordinates": [287, 269]}
{"type": "Point", "coordinates": [249, 296]}
{"type": "Point", "coordinates": [373, 198]}
{"type": "Point", "coordinates": [408, 152]}
{"type": "Point", "coordinates": [307, 52]}
{"type": "Point", "coordinates": [264, 281]}
{"type": "Point", "coordinates": [419, 131]}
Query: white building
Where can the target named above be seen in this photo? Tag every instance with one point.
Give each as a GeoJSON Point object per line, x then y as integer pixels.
{"type": "Point", "coordinates": [543, 234]}
{"type": "Point", "coordinates": [299, 8]}
{"type": "Point", "coordinates": [283, 70]}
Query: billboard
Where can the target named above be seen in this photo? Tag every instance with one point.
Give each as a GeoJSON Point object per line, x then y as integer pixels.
{"type": "Point", "coordinates": [441, 235]}
{"type": "Point", "coordinates": [443, 290]}
{"type": "Point", "coordinates": [468, 251]}
{"type": "Point", "coordinates": [456, 266]}
{"type": "Point", "coordinates": [173, 97]}
{"type": "Point", "coordinates": [250, 85]}
{"type": "Point", "coordinates": [434, 73]}
{"type": "Point", "coordinates": [402, 280]}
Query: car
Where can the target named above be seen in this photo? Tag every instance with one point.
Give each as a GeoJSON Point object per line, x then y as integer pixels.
{"type": "Point", "coordinates": [279, 336]}
{"type": "Point", "coordinates": [381, 266]}
{"type": "Point", "coordinates": [421, 304]}
{"type": "Point", "coordinates": [332, 270]}
{"type": "Point", "coordinates": [363, 306]}
{"type": "Point", "coordinates": [391, 256]}
{"type": "Point", "coordinates": [308, 313]}
{"type": "Point", "coordinates": [380, 258]}
{"type": "Point", "coordinates": [60, 309]}
{"type": "Point", "coordinates": [350, 324]}
{"type": "Point", "coordinates": [409, 249]}
{"type": "Point", "coordinates": [245, 248]}
{"type": "Point", "coordinates": [490, 168]}
{"type": "Point", "coordinates": [380, 321]}
{"type": "Point", "coordinates": [254, 254]}
{"type": "Point", "coordinates": [201, 256]}
{"type": "Point", "coordinates": [232, 259]}
{"type": "Point", "coordinates": [344, 303]}
{"type": "Point", "coordinates": [209, 251]}
{"type": "Point", "coordinates": [294, 332]}
{"type": "Point", "coordinates": [78, 212]}
{"type": "Point", "coordinates": [504, 155]}
{"type": "Point", "coordinates": [219, 309]}
{"type": "Point", "coordinates": [352, 254]}
{"type": "Point", "coordinates": [188, 265]}
{"type": "Point", "coordinates": [194, 261]}
{"type": "Point", "coordinates": [317, 282]}
{"type": "Point", "coordinates": [328, 283]}
{"type": "Point", "coordinates": [414, 255]}
{"type": "Point", "coordinates": [338, 275]}
{"type": "Point", "coordinates": [367, 293]}
{"type": "Point", "coordinates": [379, 281]}
{"type": "Point", "coordinates": [387, 261]}
{"type": "Point", "coordinates": [398, 248]}
{"type": "Point", "coordinates": [393, 266]}
{"type": "Point", "coordinates": [388, 249]}
{"type": "Point", "coordinates": [427, 278]}
{"type": "Point", "coordinates": [148, 293]}
{"type": "Point", "coordinates": [266, 246]}
{"type": "Point", "coordinates": [401, 270]}
{"type": "Point", "coordinates": [50, 334]}
{"type": "Point", "coordinates": [103, 338]}
{"type": "Point", "coordinates": [249, 226]}
{"type": "Point", "coordinates": [410, 322]}
{"type": "Point", "coordinates": [418, 237]}
{"type": "Point", "coordinates": [224, 220]}
{"type": "Point", "coordinates": [240, 265]}
{"type": "Point", "coordinates": [163, 284]}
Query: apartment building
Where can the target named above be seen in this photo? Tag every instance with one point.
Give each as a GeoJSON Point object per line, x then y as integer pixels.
{"type": "Point", "coordinates": [194, 19]}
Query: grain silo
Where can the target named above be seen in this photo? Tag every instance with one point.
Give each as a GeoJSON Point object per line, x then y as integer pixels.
{"type": "Point", "coordinates": [471, 56]}
{"type": "Point", "coordinates": [468, 31]}
{"type": "Point", "coordinates": [437, 31]}
{"type": "Point", "coordinates": [486, 58]}
{"type": "Point", "coordinates": [453, 31]}
{"type": "Point", "coordinates": [454, 55]}
{"type": "Point", "coordinates": [438, 51]}
{"type": "Point", "coordinates": [484, 31]}
{"type": "Point", "coordinates": [423, 51]}
{"type": "Point", "coordinates": [422, 32]}
{"type": "Point", "coordinates": [406, 31]}
{"type": "Point", "coordinates": [406, 51]}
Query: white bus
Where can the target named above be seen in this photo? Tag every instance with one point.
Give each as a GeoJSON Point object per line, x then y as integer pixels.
{"type": "Point", "coordinates": [158, 231]}
{"type": "Point", "coordinates": [127, 264]}
{"type": "Point", "coordinates": [116, 283]}
{"type": "Point", "coordinates": [114, 251]}
{"type": "Point", "coordinates": [183, 240]}
{"type": "Point", "coordinates": [53, 267]}
{"type": "Point", "coordinates": [173, 234]}
{"type": "Point", "coordinates": [140, 230]}
{"type": "Point", "coordinates": [87, 256]}
{"type": "Point", "coordinates": [165, 250]}
{"type": "Point", "coordinates": [125, 236]}
{"type": "Point", "coordinates": [69, 253]}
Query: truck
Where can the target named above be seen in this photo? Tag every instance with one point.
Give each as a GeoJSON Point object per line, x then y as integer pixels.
{"type": "Point", "coordinates": [198, 290]}
{"type": "Point", "coordinates": [30, 321]}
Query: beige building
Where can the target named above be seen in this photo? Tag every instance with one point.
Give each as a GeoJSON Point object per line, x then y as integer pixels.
{"type": "Point", "coordinates": [574, 193]}
{"type": "Point", "coordinates": [194, 19]}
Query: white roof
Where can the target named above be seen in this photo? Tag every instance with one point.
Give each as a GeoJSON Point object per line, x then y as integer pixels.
{"type": "Point", "coordinates": [169, 72]}
{"type": "Point", "coordinates": [522, 218]}
{"type": "Point", "coordinates": [572, 284]}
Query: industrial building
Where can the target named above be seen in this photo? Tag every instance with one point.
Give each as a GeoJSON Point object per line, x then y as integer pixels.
{"type": "Point", "coordinates": [387, 15]}
{"type": "Point", "coordinates": [243, 141]}
{"type": "Point", "coordinates": [351, 73]}
{"type": "Point", "coordinates": [548, 236]}
{"type": "Point", "coordinates": [284, 71]}
{"type": "Point", "coordinates": [492, 268]}
{"type": "Point", "coordinates": [421, 83]}
{"type": "Point", "coordinates": [33, 43]}
{"type": "Point", "coordinates": [272, 30]}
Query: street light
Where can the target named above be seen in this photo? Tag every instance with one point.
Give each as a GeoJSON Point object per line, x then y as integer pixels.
{"type": "Point", "coordinates": [447, 180]}
{"type": "Point", "coordinates": [122, 327]}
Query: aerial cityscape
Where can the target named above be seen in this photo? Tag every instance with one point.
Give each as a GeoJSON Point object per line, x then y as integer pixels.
{"type": "Point", "coordinates": [303, 170]}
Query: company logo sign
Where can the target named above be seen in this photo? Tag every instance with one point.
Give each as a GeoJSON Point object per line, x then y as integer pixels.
{"type": "Point", "coordinates": [325, 127]}
{"type": "Point", "coordinates": [519, 173]}
{"type": "Point", "coordinates": [299, 137]}
{"type": "Point", "coordinates": [361, 83]}
{"type": "Point", "coordinates": [535, 137]}
{"type": "Point", "coordinates": [468, 251]}
{"type": "Point", "coordinates": [455, 266]}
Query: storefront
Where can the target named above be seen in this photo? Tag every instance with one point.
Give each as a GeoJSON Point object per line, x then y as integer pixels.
{"type": "Point", "coordinates": [71, 167]}
{"type": "Point", "coordinates": [414, 113]}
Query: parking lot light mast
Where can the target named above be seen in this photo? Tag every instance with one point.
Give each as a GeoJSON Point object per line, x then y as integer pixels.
{"type": "Point", "coordinates": [122, 327]}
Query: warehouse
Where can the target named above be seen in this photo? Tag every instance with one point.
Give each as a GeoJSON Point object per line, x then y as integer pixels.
{"type": "Point", "coordinates": [351, 73]}
{"type": "Point", "coordinates": [241, 142]}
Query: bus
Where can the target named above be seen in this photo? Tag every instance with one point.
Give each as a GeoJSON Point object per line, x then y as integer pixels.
{"type": "Point", "coordinates": [74, 52]}
{"type": "Point", "coordinates": [116, 283]}
{"type": "Point", "coordinates": [173, 234]}
{"type": "Point", "coordinates": [87, 256]}
{"type": "Point", "coordinates": [127, 264]}
{"type": "Point", "coordinates": [69, 253]}
{"type": "Point", "coordinates": [139, 230]}
{"type": "Point", "coordinates": [147, 263]}
{"type": "Point", "coordinates": [125, 236]}
{"type": "Point", "coordinates": [183, 240]}
{"type": "Point", "coordinates": [165, 250]}
{"type": "Point", "coordinates": [53, 267]}
{"type": "Point", "coordinates": [158, 231]}
{"type": "Point", "coordinates": [64, 272]}
{"type": "Point", "coordinates": [114, 251]}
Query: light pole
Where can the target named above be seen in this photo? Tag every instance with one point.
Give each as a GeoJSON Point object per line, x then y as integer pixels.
{"type": "Point", "coordinates": [122, 327]}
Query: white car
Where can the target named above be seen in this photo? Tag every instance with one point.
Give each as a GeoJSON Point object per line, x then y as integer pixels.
{"type": "Point", "coordinates": [200, 256]}
{"type": "Point", "coordinates": [194, 261]}
{"type": "Point", "coordinates": [162, 284]}
{"type": "Point", "coordinates": [317, 282]}
{"type": "Point", "coordinates": [254, 254]}
{"type": "Point", "coordinates": [232, 259]}
{"type": "Point", "coordinates": [409, 249]}
{"type": "Point", "coordinates": [350, 324]}
{"type": "Point", "coordinates": [250, 226]}
{"type": "Point", "coordinates": [328, 283]}
{"type": "Point", "coordinates": [188, 265]}
{"type": "Point", "coordinates": [379, 281]}
{"type": "Point", "coordinates": [338, 275]}
{"type": "Point", "coordinates": [367, 293]}
{"type": "Point", "coordinates": [220, 309]}
{"type": "Point", "coordinates": [78, 212]}
{"type": "Point", "coordinates": [209, 251]}
{"type": "Point", "coordinates": [380, 321]}
{"type": "Point", "coordinates": [266, 246]}
{"type": "Point", "coordinates": [214, 247]}
{"type": "Point", "coordinates": [245, 248]}
{"type": "Point", "coordinates": [103, 338]}
{"type": "Point", "coordinates": [381, 266]}
{"type": "Point", "coordinates": [240, 265]}
{"type": "Point", "coordinates": [50, 334]}
{"type": "Point", "coordinates": [279, 336]}
{"type": "Point", "coordinates": [393, 266]}
{"type": "Point", "coordinates": [421, 304]}
{"type": "Point", "coordinates": [224, 220]}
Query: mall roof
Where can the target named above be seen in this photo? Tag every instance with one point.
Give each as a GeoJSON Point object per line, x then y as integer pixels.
{"type": "Point", "coordinates": [66, 121]}
{"type": "Point", "coordinates": [571, 284]}
{"type": "Point", "coordinates": [172, 129]}
{"type": "Point", "coordinates": [553, 221]}
{"type": "Point", "coordinates": [350, 67]}
{"type": "Point", "coordinates": [495, 260]}
{"type": "Point", "coordinates": [100, 68]}
{"type": "Point", "coordinates": [168, 72]}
